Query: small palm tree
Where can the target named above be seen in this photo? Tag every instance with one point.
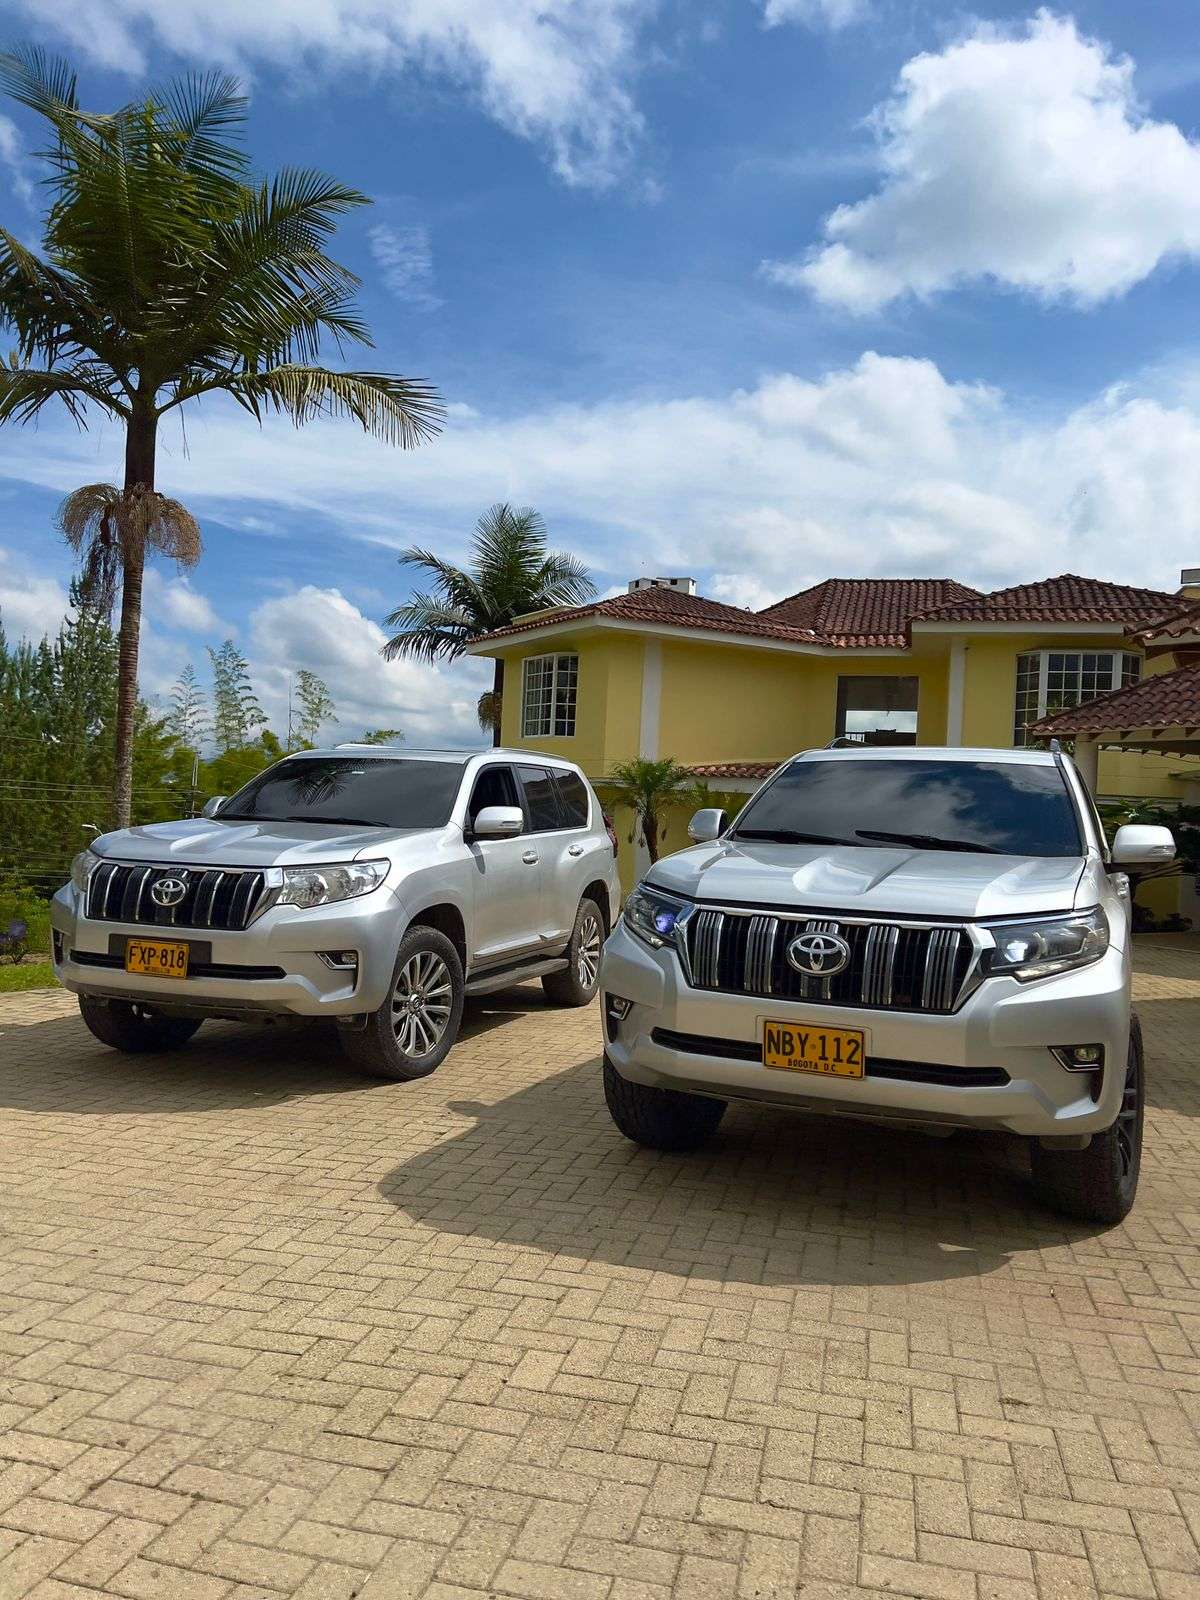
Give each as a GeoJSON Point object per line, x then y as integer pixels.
{"type": "Point", "coordinates": [512, 572]}
{"type": "Point", "coordinates": [168, 273]}
{"type": "Point", "coordinates": [647, 788]}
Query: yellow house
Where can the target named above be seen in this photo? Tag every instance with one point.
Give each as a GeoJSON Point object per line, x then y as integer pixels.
{"type": "Point", "coordinates": [662, 671]}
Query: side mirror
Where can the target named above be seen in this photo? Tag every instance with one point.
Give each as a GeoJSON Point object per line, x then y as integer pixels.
{"type": "Point", "coordinates": [498, 822]}
{"type": "Point", "coordinates": [1142, 844]}
{"type": "Point", "coordinates": [706, 825]}
{"type": "Point", "coordinates": [211, 807]}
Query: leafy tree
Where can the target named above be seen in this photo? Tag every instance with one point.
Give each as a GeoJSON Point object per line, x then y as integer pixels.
{"type": "Point", "coordinates": [166, 273]}
{"type": "Point", "coordinates": [230, 769]}
{"type": "Point", "coordinates": [188, 716]}
{"type": "Point", "coordinates": [512, 572]}
{"type": "Point", "coordinates": [382, 736]}
{"type": "Point", "coordinates": [648, 788]}
{"type": "Point", "coordinates": [316, 706]}
{"type": "Point", "coordinates": [236, 711]}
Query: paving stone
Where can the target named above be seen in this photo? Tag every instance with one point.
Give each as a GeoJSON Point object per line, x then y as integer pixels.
{"type": "Point", "coordinates": [268, 1329]}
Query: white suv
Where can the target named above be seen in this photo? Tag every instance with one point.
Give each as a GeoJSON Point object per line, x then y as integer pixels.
{"type": "Point", "coordinates": [366, 885]}
{"type": "Point", "coordinates": [932, 937]}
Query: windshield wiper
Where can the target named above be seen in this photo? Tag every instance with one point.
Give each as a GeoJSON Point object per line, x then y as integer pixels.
{"type": "Point", "coordinates": [788, 836]}
{"type": "Point", "coordinates": [928, 841]}
{"type": "Point", "coordinates": [353, 822]}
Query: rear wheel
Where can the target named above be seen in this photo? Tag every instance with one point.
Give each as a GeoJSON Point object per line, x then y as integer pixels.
{"type": "Point", "coordinates": [576, 986]}
{"type": "Point", "coordinates": [1099, 1184]}
{"type": "Point", "coordinates": [661, 1119]}
{"type": "Point", "coordinates": [412, 1032]}
{"type": "Point", "coordinates": [135, 1029]}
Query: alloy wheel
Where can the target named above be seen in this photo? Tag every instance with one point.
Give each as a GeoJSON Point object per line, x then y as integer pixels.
{"type": "Point", "coordinates": [587, 959]}
{"type": "Point", "coordinates": [421, 1003]}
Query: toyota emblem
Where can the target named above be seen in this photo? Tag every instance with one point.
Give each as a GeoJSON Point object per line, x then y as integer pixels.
{"type": "Point", "coordinates": [168, 892]}
{"type": "Point", "coordinates": [819, 955]}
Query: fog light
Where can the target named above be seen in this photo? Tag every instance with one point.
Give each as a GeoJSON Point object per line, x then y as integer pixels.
{"type": "Point", "coordinates": [1079, 1057]}
{"type": "Point", "coordinates": [343, 960]}
{"type": "Point", "coordinates": [615, 1011]}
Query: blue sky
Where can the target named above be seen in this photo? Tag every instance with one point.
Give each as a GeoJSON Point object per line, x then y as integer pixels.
{"type": "Point", "coordinates": [759, 290]}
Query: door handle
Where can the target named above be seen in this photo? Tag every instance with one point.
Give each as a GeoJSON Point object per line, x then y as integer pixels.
{"type": "Point", "coordinates": [574, 849]}
{"type": "Point", "coordinates": [530, 858]}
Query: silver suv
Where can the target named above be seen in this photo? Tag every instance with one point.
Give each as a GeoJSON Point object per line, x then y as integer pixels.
{"type": "Point", "coordinates": [368, 886]}
{"type": "Point", "coordinates": [933, 937]}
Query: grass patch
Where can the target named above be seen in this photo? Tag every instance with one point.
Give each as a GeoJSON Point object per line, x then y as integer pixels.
{"type": "Point", "coordinates": [29, 975]}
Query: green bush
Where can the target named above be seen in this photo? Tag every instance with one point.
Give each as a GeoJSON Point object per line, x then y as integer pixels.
{"type": "Point", "coordinates": [19, 906]}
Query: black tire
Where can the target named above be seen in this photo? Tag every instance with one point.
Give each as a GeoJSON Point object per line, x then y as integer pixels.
{"type": "Point", "coordinates": [662, 1119]}
{"type": "Point", "coordinates": [427, 966]}
{"type": "Point", "coordinates": [577, 985]}
{"type": "Point", "coordinates": [135, 1029]}
{"type": "Point", "coordinates": [1099, 1184]}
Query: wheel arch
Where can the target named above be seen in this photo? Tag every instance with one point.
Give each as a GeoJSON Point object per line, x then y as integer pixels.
{"type": "Point", "coordinates": [446, 917]}
{"type": "Point", "coordinates": [597, 890]}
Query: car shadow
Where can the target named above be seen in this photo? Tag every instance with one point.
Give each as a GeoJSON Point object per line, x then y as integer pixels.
{"type": "Point", "coordinates": [54, 1064]}
{"type": "Point", "coordinates": [774, 1198]}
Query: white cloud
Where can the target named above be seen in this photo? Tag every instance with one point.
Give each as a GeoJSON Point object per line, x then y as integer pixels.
{"type": "Point", "coordinates": [321, 630]}
{"type": "Point", "coordinates": [405, 257]}
{"type": "Point", "coordinates": [553, 71]}
{"type": "Point", "coordinates": [12, 157]}
{"type": "Point", "coordinates": [883, 467]}
{"type": "Point", "coordinates": [1024, 160]}
{"type": "Point", "coordinates": [814, 13]}
{"type": "Point", "coordinates": [175, 604]}
{"type": "Point", "coordinates": [32, 605]}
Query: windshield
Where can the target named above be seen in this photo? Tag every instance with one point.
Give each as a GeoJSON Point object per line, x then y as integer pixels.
{"type": "Point", "coordinates": [374, 792]}
{"type": "Point", "coordinates": [991, 806]}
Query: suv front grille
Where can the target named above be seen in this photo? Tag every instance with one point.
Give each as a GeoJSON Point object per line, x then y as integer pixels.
{"type": "Point", "coordinates": [892, 966]}
{"type": "Point", "coordinates": [214, 898]}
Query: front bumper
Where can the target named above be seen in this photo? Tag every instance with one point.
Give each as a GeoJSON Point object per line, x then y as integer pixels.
{"type": "Point", "coordinates": [1004, 1026]}
{"type": "Point", "coordinates": [284, 941]}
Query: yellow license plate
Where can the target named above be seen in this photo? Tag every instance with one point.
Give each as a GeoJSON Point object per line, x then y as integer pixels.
{"type": "Point", "coordinates": [156, 958]}
{"type": "Point", "coordinates": [798, 1047]}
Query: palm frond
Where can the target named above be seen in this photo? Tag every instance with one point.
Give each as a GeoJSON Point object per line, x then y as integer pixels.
{"type": "Point", "coordinates": [202, 107]}
{"type": "Point", "coordinates": [24, 391]}
{"type": "Point", "coordinates": [401, 411]}
{"type": "Point", "coordinates": [428, 629]}
{"type": "Point", "coordinates": [107, 526]}
{"type": "Point", "coordinates": [44, 83]}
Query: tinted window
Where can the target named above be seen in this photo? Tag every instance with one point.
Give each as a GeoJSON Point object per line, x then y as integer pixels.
{"type": "Point", "coordinates": [375, 792]}
{"type": "Point", "coordinates": [573, 793]}
{"type": "Point", "coordinates": [986, 805]}
{"type": "Point", "coordinates": [495, 786]}
{"type": "Point", "coordinates": [541, 797]}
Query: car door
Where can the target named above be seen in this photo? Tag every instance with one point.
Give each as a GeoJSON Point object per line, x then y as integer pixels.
{"type": "Point", "coordinates": [559, 853]}
{"type": "Point", "coordinates": [507, 880]}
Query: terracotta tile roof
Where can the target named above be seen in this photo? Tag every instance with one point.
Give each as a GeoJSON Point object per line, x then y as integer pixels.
{"type": "Point", "coordinates": [1181, 620]}
{"type": "Point", "coordinates": [1067, 598]}
{"type": "Point", "coordinates": [736, 769]}
{"type": "Point", "coordinates": [1162, 701]}
{"type": "Point", "coordinates": [866, 613]}
{"type": "Point", "coordinates": [665, 606]}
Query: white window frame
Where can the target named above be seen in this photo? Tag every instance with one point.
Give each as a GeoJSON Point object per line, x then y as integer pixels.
{"type": "Point", "coordinates": [1116, 679]}
{"type": "Point", "coordinates": [552, 714]}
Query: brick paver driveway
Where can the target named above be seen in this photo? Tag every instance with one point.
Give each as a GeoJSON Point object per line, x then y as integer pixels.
{"type": "Point", "coordinates": [268, 1329]}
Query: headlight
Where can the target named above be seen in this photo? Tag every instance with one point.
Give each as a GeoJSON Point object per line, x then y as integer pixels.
{"type": "Point", "coordinates": [84, 864]}
{"type": "Point", "coordinates": [656, 916]}
{"type": "Point", "coordinates": [1045, 945]}
{"type": "Point", "coordinates": [320, 886]}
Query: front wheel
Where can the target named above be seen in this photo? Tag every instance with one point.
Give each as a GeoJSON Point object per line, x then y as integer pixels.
{"type": "Point", "coordinates": [662, 1119]}
{"type": "Point", "coordinates": [134, 1029]}
{"type": "Point", "coordinates": [412, 1032]}
{"type": "Point", "coordinates": [1099, 1184]}
{"type": "Point", "coordinates": [576, 985]}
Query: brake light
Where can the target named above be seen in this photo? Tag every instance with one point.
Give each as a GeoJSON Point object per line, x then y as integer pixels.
{"type": "Point", "coordinates": [612, 833]}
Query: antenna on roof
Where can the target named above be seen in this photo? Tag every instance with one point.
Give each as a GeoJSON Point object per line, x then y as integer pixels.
{"type": "Point", "coordinates": [1055, 748]}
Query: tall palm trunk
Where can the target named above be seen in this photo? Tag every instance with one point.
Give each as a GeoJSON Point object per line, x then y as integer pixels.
{"type": "Point", "coordinates": [140, 441]}
{"type": "Point", "coordinates": [498, 698]}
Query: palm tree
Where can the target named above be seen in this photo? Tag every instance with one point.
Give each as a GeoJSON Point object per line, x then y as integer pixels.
{"type": "Point", "coordinates": [512, 573]}
{"type": "Point", "coordinates": [168, 273]}
{"type": "Point", "coordinates": [647, 788]}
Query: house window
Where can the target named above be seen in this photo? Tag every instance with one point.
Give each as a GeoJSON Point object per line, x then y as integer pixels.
{"type": "Point", "coordinates": [548, 698]}
{"type": "Point", "coordinates": [1056, 680]}
{"type": "Point", "coordinates": [877, 710]}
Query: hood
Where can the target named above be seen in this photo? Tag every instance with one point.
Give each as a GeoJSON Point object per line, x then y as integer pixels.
{"type": "Point", "coordinates": [872, 880]}
{"type": "Point", "coordinates": [207, 841]}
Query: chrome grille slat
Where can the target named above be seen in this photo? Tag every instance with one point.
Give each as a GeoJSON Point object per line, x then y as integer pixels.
{"type": "Point", "coordinates": [119, 891]}
{"type": "Point", "coordinates": [918, 966]}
